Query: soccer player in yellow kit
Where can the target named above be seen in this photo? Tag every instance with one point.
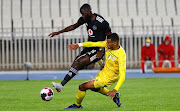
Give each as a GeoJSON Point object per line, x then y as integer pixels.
{"type": "Point", "coordinates": [113, 71]}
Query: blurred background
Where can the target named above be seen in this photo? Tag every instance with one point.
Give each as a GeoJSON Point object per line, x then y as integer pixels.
{"type": "Point", "coordinates": [25, 25]}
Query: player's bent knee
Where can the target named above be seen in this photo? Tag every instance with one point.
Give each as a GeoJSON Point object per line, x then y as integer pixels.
{"type": "Point", "coordinates": [81, 87]}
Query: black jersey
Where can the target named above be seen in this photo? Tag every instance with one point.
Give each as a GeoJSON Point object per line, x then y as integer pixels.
{"type": "Point", "coordinates": [97, 29]}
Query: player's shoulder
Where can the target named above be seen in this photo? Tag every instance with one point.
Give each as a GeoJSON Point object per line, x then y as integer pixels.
{"type": "Point", "coordinates": [121, 51]}
{"type": "Point", "coordinates": [100, 19]}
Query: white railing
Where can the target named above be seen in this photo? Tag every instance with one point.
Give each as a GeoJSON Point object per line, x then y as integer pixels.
{"type": "Point", "coordinates": [33, 45]}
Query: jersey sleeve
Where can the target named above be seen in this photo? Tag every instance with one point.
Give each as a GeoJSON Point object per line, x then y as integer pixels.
{"type": "Point", "coordinates": [122, 70]}
{"type": "Point", "coordinates": [94, 44]}
{"type": "Point", "coordinates": [81, 21]}
{"type": "Point", "coordinates": [106, 28]}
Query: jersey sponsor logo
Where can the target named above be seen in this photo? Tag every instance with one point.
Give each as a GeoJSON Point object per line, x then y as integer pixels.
{"type": "Point", "coordinates": [99, 19]}
{"type": "Point", "coordinates": [94, 27]}
{"type": "Point", "coordinates": [109, 56]}
{"type": "Point", "coordinates": [90, 33]}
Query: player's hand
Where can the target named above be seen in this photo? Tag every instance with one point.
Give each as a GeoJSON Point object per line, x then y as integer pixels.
{"type": "Point", "coordinates": [112, 93]}
{"type": "Point", "coordinates": [53, 34]}
{"type": "Point", "coordinates": [161, 51]}
{"type": "Point", "coordinates": [100, 54]}
{"type": "Point", "coordinates": [147, 58]}
{"type": "Point", "coordinates": [73, 46]}
{"type": "Point", "coordinates": [166, 56]}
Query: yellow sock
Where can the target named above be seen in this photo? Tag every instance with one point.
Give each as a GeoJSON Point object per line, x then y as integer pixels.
{"type": "Point", "coordinates": [103, 90]}
{"type": "Point", "coordinates": [79, 97]}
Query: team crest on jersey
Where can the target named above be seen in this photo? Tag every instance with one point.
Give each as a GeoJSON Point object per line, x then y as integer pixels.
{"type": "Point", "coordinates": [90, 32]}
{"type": "Point", "coordinates": [109, 56]}
{"type": "Point", "coordinates": [113, 58]}
{"type": "Point", "coordinates": [94, 27]}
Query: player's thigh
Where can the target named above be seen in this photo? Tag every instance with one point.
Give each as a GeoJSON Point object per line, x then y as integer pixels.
{"type": "Point", "coordinates": [81, 61]}
{"type": "Point", "coordinates": [99, 80]}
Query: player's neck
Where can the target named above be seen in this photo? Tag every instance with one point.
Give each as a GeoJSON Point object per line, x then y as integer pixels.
{"type": "Point", "coordinates": [116, 47]}
{"type": "Point", "coordinates": [93, 17]}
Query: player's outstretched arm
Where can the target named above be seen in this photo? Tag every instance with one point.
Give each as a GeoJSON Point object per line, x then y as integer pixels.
{"type": "Point", "coordinates": [67, 29]}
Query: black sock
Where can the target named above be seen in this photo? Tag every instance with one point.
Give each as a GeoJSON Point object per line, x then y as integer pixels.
{"type": "Point", "coordinates": [69, 76]}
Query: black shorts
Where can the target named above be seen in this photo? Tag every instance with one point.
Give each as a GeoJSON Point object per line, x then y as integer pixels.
{"type": "Point", "coordinates": [91, 52]}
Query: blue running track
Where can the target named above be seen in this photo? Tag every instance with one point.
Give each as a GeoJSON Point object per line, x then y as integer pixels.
{"type": "Point", "coordinates": [84, 74]}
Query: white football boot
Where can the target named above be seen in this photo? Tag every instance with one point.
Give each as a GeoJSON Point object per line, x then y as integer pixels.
{"type": "Point", "coordinates": [57, 86]}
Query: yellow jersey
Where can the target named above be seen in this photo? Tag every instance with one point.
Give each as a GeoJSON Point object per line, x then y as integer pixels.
{"type": "Point", "coordinates": [115, 65]}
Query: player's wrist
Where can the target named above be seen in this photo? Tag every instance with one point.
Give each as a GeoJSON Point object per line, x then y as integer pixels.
{"type": "Point", "coordinates": [80, 44]}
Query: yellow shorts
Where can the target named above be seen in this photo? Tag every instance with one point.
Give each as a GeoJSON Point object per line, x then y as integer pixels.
{"type": "Point", "coordinates": [101, 80]}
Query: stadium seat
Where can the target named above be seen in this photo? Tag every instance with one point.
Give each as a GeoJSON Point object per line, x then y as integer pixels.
{"type": "Point", "coordinates": [167, 25]}
{"type": "Point", "coordinates": [157, 28]}
{"type": "Point", "coordinates": [142, 8]}
{"type": "Point", "coordinates": [138, 26]}
{"type": "Point", "coordinates": [45, 9]}
{"type": "Point", "coordinates": [161, 9]}
{"type": "Point", "coordinates": [16, 9]}
{"type": "Point", "coordinates": [6, 19]}
{"type": "Point", "coordinates": [26, 9]}
{"type": "Point", "coordinates": [170, 8]}
{"type": "Point", "coordinates": [0, 19]}
{"type": "Point", "coordinates": [127, 25]}
{"type": "Point", "coordinates": [17, 28]}
{"type": "Point", "coordinates": [113, 9]}
{"type": "Point", "coordinates": [132, 8]}
{"type": "Point", "coordinates": [55, 10]}
{"type": "Point", "coordinates": [65, 8]}
{"type": "Point", "coordinates": [103, 8]}
{"type": "Point", "coordinates": [57, 24]}
{"type": "Point", "coordinates": [122, 8]}
{"type": "Point", "coordinates": [74, 9]}
{"type": "Point", "coordinates": [178, 7]}
{"type": "Point", "coordinates": [37, 27]}
{"type": "Point", "coordinates": [94, 6]}
{"type": "Point", "coordinates": [166, 62]}
{"type": "Point", "coordinates": [27, 26]}
{"type": "Point", "coordinates": [81, 2]}
{"type": "Point", "coordinates": [47, 27]}
{"type": "Point", "coordinates": [146, 64]}
{"type": "Point", "coordinates": [117, 25]}
{"type": "Point", "coordinates": [148, 26]}
{"type": "Point", "coordinates": [176, 21]}
{"type": "Point", "coordinates": [36, 9]}
{"type": "Point", "coordinates": [151, 7]}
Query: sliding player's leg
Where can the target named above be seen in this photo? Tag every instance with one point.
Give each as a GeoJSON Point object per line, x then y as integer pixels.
{"type": "Point", "coordinates": [81, 94]}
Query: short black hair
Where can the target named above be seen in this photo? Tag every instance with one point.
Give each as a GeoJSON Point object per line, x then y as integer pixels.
{"type": "Point", "coordinates": [113, 37]}
{"type": "Point", "coordinates": [85, 7]}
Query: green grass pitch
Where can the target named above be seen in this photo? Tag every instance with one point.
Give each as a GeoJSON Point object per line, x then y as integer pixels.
{"type": "Point", "coordinates": [143, 94]}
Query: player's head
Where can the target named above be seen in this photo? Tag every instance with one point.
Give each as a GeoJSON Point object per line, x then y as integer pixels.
{"type": "Point", "coordinates": [112, 41]}
{"type": "Point", "coordinates": [85, 10]}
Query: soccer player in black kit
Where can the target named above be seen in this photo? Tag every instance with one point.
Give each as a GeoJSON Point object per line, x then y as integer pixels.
{"type": "Point", "coordinates": [97, 28]}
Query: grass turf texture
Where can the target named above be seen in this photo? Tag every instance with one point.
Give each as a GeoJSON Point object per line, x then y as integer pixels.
{"type": "Point", "coordinates": [143, 94]}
